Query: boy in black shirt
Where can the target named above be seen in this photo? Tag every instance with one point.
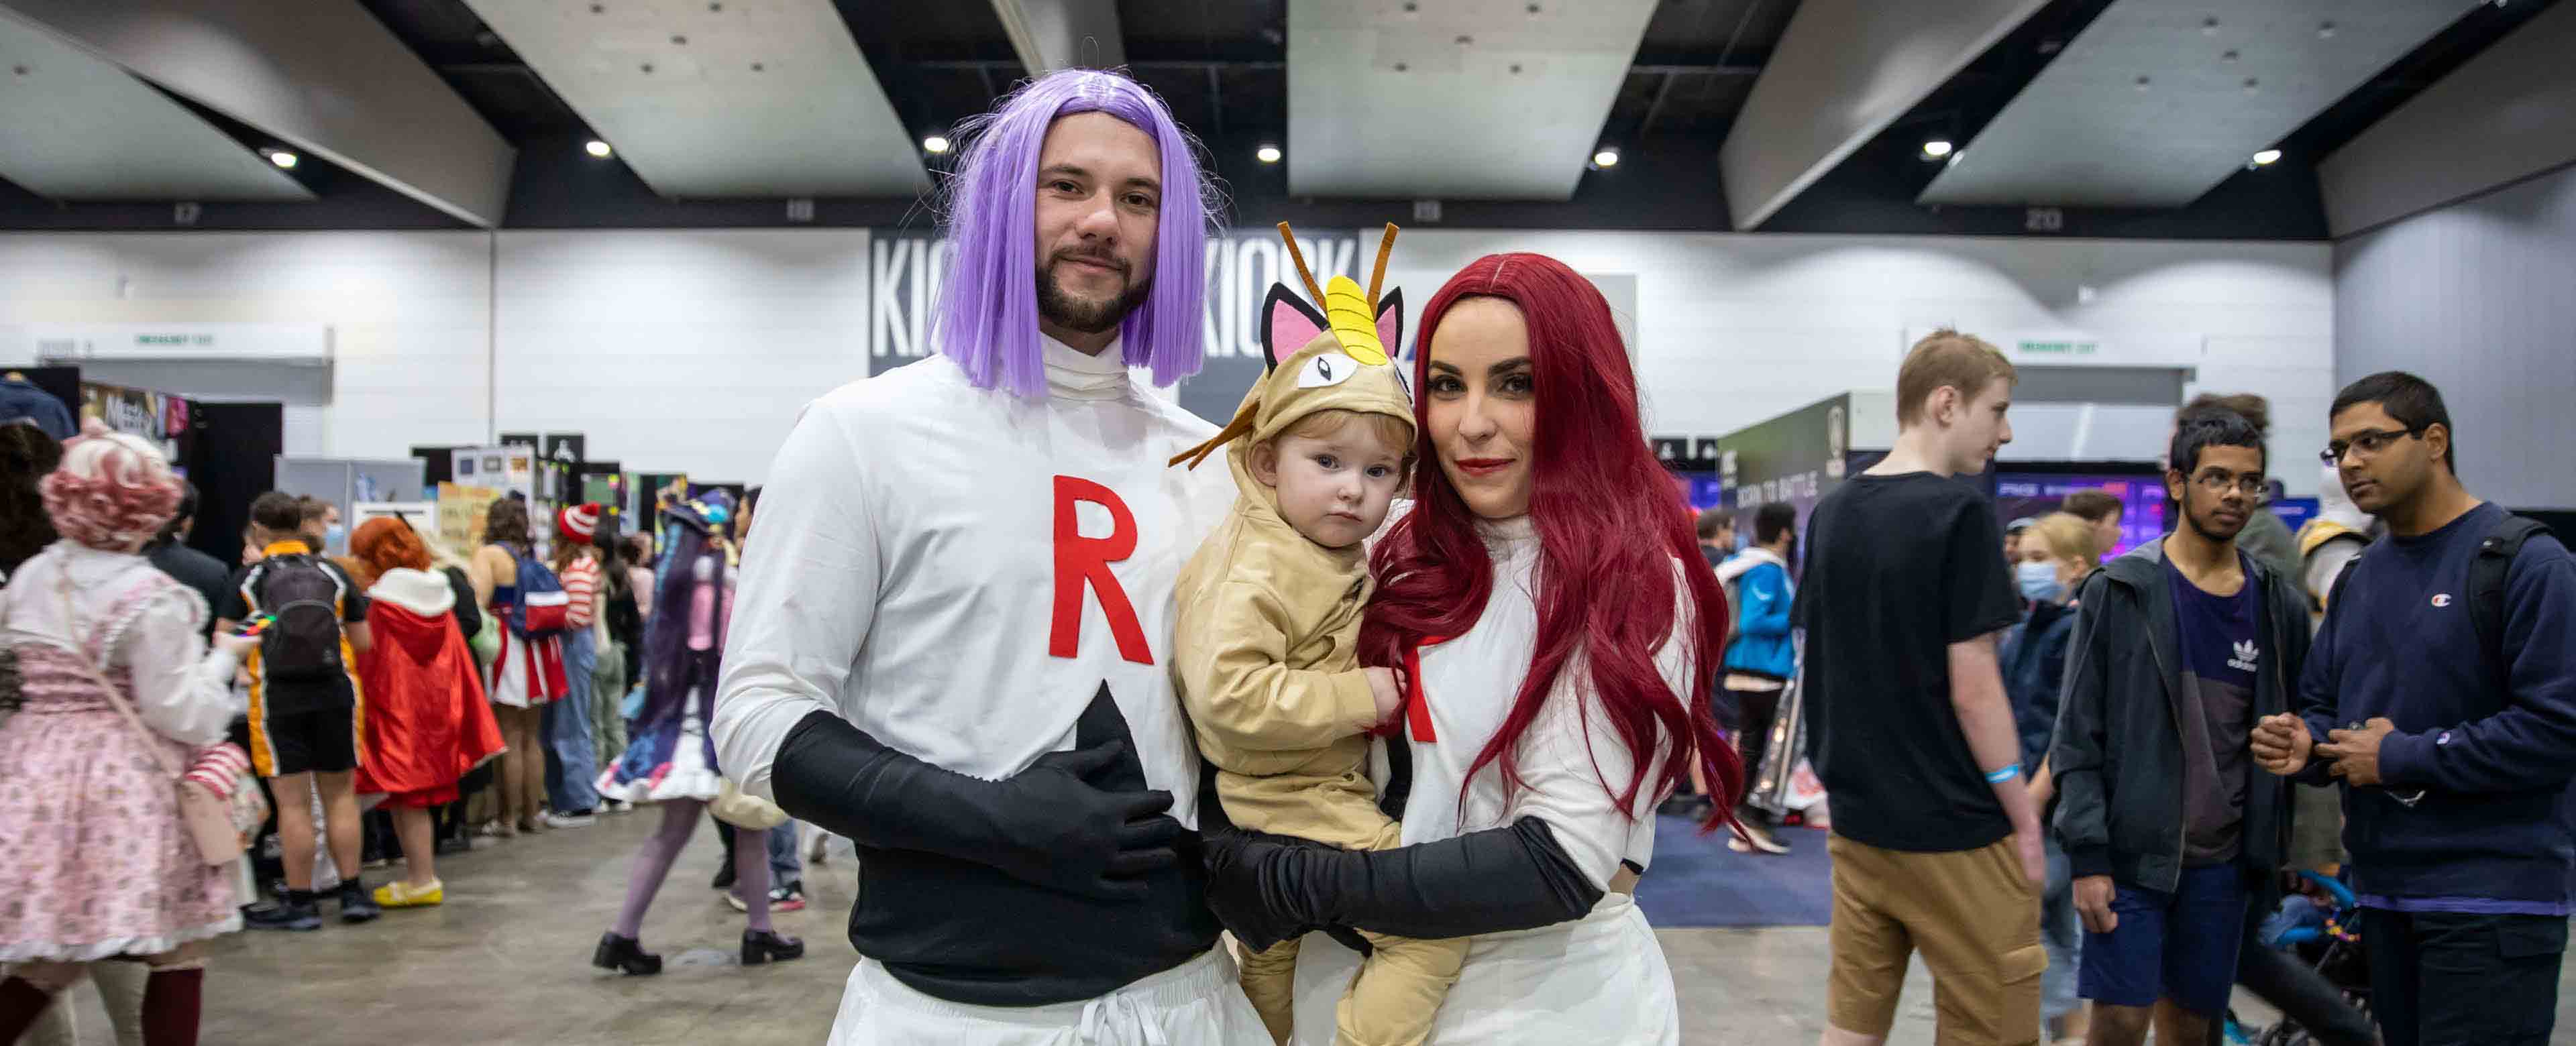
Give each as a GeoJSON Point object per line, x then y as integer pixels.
{"type": "Point", "coordinates": [1935, 843]}
{"type": "Point", "coordinates": [305, 706]}
{"type": "Point", "coordinates": [2442, 693]}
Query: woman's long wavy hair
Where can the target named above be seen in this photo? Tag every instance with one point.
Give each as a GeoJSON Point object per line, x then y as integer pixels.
{"type": "Point", "coordinates": [1610, 530]}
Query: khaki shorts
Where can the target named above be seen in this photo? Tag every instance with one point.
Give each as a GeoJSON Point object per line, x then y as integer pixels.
{"type": "Point", "coordinates": [1971, 913]}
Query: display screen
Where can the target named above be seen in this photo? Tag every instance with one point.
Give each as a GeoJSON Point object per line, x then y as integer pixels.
{"type": "Point", "coordinates": [2032, 495]}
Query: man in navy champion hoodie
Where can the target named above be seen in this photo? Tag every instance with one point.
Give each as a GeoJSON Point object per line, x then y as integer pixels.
{"type": "Point", "coordinates": [2455, 760]}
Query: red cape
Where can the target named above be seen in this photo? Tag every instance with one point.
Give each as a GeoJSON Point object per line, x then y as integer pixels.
{"type": "Point", "coordinates": [426, 721]}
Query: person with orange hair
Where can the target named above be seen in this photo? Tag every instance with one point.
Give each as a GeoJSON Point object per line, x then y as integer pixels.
{"type": "Point", "coordinates": [119, 693]}
{"type": "Point", "coordinates": [427, 722]}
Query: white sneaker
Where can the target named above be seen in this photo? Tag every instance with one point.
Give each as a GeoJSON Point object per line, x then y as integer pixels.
{"type": "Point", "coordinates": [571, 820]}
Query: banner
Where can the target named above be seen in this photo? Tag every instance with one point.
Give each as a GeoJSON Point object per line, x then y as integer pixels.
{"type": "Point", "coordinates": [1796, 458]}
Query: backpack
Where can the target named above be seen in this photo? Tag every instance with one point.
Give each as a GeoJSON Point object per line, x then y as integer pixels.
{"type": "Point", "coordinates": [303, 644]}
{"type": "Point", "coordinates": [2486, 589]}
{"type": "Point", "coordinates": [544, 609]}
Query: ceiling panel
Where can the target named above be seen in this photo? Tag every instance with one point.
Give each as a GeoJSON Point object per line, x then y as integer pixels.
{"type": "Point", "coordinates": [75, 127]}
{"type": "Point", "coordinates": [714, 99]}
{"type": "Point", "coordinates": [2157, 101]}
{"type": "Point", "coordinates": [1468, 99]}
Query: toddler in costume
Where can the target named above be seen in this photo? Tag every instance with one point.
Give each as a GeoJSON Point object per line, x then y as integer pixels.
{"type": "Point", "coordinates": [1266, 647]}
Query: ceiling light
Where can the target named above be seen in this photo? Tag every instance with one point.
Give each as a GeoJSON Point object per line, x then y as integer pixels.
{"type": "Point", "coordinates": [937, 143]}
{"type": "Point", "coordinates": [282, 158]}
{"type": "Point", "coordinates": [597, 148]}
{"type": "Point", "coordinates": [1936, 148]}
{"type": "Point", "coordinates": [1267, 154]}
{"type": "Point", "coordinates": [2266, 156]}
{"type": "Point", "coordinates": [1606, 158]}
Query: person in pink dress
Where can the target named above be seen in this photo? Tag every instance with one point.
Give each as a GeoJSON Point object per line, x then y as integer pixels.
{"type": "Point", "coordinates": [116, 689]}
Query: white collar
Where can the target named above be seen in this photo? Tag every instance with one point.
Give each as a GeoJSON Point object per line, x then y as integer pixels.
{"type": "Point", "coordinates": [419, 591]}
{"type": "Point", "coordinates": [1074, 374]}
{"type": "Point", "coordinates": [1514, 532]}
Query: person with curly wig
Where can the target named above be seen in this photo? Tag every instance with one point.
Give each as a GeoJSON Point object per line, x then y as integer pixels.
{"type": "Point", "coordinates": [427, 724]}
{"type": "Point", "coordinates": [117, 686]}
{"type": "Point", "coordinates": [1559, 635]}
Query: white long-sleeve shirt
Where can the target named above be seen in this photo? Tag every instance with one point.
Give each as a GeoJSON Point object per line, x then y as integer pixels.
{"type": "Point", "coordinates": [181, 690]}
{"type": "Point", "coordinates": [1569, 751]}
{"type": "Point", "coordinates": [928, 566]}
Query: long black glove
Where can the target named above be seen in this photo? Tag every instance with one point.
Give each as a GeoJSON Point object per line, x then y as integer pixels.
{"type": "Point", "coordinates": [1051, 824]}
{"type": "Point", "coordinates": [1268, 888]}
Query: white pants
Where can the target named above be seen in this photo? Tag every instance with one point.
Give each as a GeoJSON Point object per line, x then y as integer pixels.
{"type": "Point", "coordinates": [1193, 1004]}
{"type": "Point", "coordinates": [1598, 979]}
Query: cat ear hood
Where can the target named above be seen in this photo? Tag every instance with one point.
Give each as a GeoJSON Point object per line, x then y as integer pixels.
{"type": "Point", "coordinates": [1341, 356]}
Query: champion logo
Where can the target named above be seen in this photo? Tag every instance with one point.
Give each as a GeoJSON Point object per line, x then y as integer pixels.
{"type": "Point", "coordinates": [2246, 653]}
{"type": "Point", "coordinates": [2442, 600]}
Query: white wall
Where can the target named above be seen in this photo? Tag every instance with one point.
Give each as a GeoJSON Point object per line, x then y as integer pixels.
{"type": "Point", "coordinates": [679, 351]}
{"type": "Point", "coordinates": [1737, 328]}
{"type": "Point", "coordinates": [692, 350]}
{"type": "Point", "coordinates": [409, 314]}
{"type": "Point", "coordinates": [2475, 298]}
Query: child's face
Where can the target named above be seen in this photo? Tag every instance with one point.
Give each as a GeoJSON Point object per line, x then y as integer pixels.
{"type": "Point", "coordinates": [1333, 489]}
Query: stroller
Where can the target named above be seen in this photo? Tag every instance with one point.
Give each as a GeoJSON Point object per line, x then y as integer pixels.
{"type": "Point", "coordinates": [2327, 943]}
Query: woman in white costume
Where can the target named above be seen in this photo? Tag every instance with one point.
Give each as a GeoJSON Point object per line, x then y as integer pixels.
{"type": "Point", "coordinates": [1559, 638]}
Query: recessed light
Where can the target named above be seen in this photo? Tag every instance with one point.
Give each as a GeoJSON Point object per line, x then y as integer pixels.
{"type": "Point", "coordinates": [1267, 154]}
{"type": "Point", "coordinates": [597, 148]}
{"type": "Point", "coordinates": [282, 159]}
{"type": "Point", "coordinates": [2267, 156]}
{"type": "Point", "coordinates": [1606, 158]}
{"type": "Point", "coordinates": [1937, 148]}
{"type": "Point", "coordinates": [936, 143]}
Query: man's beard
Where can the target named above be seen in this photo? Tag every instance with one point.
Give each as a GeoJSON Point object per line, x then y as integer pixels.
{"type": "Point", "coordinates": [2207, 530]}
{"type": "Point", "coordinates": [1072, 313]}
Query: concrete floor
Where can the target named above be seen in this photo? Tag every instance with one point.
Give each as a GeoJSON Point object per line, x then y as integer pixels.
{"type": "Point", "coordinates": [505, 960]}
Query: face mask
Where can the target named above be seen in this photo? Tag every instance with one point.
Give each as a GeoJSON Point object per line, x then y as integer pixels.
{"type": "Point", "coordinates": [2038, 580]}
{"type": "Point", "coordinates": [332, 534]}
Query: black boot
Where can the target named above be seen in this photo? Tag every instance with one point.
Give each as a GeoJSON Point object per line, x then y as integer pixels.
{"type": "Point", "coordinates": [760, 946]}
{"type": "Point", "coordinates": [356, 904]}
{"type": "Point", "coordinates": [625, 954]}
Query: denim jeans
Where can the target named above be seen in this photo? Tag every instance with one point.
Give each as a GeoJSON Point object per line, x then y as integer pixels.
{"type": "Point", "coordinates": [2061, 932]}
{"type": "Point", "coordinates": [572, 775]}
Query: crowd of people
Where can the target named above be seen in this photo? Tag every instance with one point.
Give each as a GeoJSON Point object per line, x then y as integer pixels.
{"type": "Point", "coordinates": [1090, 710]}
{"type": "Point", "coordinates": [391, 704]}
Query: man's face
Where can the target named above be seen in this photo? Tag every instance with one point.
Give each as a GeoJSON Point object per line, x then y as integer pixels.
{"type": "Point", "coordinates": [2012, 546]}
{"type": "Point", "coordinates": [2106, 534]}
{"type": "Point", "coordinates": [1099, 197]}
{"type": "Point", "coordinates": [1978, 428]}
{"type": "Point", "coordinates": [2396, 471]}
{"type": "Point", "coordinates": [2221, 492]}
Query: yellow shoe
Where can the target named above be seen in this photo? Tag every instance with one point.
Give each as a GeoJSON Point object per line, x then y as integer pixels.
{"type": "Point", "coordinates": [399, 894]}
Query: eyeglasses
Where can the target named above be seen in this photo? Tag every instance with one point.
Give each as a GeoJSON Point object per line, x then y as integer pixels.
{"type": "Point", "coordinates": [2369, 443]}
{"type": "Point", "coordinates": [2219, 481]}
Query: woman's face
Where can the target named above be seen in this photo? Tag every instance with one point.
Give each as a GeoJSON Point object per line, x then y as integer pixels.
{"type": "Point", "coordinates": [1482, 405]}
{"type": "Point", "coordinates": [2069, 571]}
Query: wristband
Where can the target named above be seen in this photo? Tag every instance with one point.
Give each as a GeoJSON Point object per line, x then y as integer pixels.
{"type": "Point", "coordinates": [1996, 777]}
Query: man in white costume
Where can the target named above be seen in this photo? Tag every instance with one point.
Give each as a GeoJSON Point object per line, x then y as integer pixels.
{"type": "Point", "coordinates": [954, 635]}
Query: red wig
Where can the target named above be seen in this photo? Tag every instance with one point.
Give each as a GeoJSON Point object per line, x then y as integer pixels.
{"type": "Point", "coordinates": [1610, 533]}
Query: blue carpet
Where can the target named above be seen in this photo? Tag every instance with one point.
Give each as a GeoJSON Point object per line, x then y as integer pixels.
{"type": "Point", "coordinates": [1697, 881]}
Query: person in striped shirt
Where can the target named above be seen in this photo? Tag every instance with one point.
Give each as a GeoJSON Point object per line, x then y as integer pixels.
{"type": "Point", "coordinates": [576, 762]}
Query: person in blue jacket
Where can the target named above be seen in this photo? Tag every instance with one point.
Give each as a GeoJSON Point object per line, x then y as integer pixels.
{"type": "Point", "coordinates": [2442, 694]}
{"type": "Point", "coordinates": [2057, 551]}
{"type": "Point", "coordinates": [1760, 662]}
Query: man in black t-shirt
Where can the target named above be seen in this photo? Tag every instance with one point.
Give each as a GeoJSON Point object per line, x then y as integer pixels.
{"type": "Point", "coordinates": [203, 574]}
{"type": "Point", "coordinates": [303, 728]}
{"type": "Point", "coordinates": [1935, 843]}
{"type": "Point", "coordinates": [2178, 646]}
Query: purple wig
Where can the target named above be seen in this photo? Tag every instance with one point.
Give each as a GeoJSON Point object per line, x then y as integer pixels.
{"type": "Point", "coordinates": [672, 671]}
{"type": "Point", "coordinates": [987, 318]}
